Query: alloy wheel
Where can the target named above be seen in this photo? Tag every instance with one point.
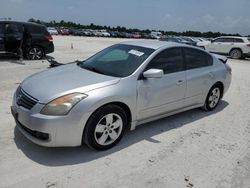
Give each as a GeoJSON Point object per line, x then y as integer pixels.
{"type": "Point", "coordinates": [214, 97]}
{"type": "Point", "coordinates": [108, 129]}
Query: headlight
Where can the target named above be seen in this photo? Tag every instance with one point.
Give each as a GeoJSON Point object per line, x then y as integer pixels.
{"type": "Point", "coordinates": [62, 105]}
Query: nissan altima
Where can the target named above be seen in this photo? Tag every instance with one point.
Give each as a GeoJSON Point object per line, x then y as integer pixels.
{"type": "Point", "coordinates": [125, 85]}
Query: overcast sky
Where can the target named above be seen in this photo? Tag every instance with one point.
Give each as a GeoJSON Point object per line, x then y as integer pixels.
{"type": "Point", "coordinates": [229, 16]}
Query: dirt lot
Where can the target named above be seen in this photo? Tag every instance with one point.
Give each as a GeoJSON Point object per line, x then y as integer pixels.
{"type": "Point", "coordinates": [192, 149]}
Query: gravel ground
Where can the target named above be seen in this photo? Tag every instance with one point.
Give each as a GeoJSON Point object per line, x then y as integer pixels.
{"type": "Point", "coordinates": [191, 149]}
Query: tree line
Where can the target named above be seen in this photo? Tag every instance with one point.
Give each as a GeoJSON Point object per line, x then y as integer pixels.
{"type": "Point", "coordinates": [69, 24]}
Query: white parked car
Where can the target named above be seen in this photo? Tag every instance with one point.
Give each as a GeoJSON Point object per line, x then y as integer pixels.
{"type": "Point", "coordinates": [52, 31]}
{"type": "Point", "coordinates": [235, 47]}
{"type": "Point", "coordinates": [104, 33]}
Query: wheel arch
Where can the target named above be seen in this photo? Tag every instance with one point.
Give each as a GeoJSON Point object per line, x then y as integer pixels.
{"type": "Point", "coordinates": [122, 105]}
{"type": "Point", "coordinates": [221, 85]}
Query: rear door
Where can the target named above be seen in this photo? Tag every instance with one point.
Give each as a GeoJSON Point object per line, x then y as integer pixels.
{"type": "Point", "coordinates": [2, 37]}
{"type": "Point", "coordinates": [13, 36]}
{"type": "Point", "coordinates": [199, 75]}
{"type": "Point", "coordinates": [227, 45]}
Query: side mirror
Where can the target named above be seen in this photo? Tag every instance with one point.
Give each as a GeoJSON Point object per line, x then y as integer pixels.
{"type": "Point", "coordinates": [153, 73]}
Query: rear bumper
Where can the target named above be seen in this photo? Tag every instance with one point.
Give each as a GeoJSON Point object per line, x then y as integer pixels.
{"type": "Point", "coordinates": [49, 48]}
{"type": "Point", "coordinates": [247, 54]}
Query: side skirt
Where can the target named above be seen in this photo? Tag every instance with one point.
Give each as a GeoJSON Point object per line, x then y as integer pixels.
{"type": "Point", "coordinates": [134, 124]}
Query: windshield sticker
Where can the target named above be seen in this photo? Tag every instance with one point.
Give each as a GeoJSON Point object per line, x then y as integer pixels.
{"type": "Point", "coordinates": [136, 52]}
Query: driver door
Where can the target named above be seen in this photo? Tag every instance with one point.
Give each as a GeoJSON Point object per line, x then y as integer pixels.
{"type": "Point", "coordinates": [13, 36]}
{"type": "Point", "coordinates": [216, 46]}
{"type": "Point", "coordinates": [157, 96]}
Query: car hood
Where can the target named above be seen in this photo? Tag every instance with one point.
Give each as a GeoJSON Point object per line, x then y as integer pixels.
{"type": "Point", "coordinates": [53, 83]}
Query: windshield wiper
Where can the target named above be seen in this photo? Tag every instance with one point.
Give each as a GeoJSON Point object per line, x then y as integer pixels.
{"type": "Point", "coordinates": [93, 69]}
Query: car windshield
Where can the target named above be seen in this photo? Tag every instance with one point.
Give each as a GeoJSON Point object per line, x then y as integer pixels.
{"type": "Point", "coordinates": [119, 60]}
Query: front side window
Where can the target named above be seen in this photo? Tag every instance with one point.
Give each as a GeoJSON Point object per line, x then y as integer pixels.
{"type": "Point", "coordinates": [36, 29]}
{"type": "Point", "coordinates": [11, 28]}
{"type": "Point", "coordinates": [120, 60]}
{"type": "Point", "coordinates": [196, 58]}
{"type": "Point", "coordinates": [170, 61]}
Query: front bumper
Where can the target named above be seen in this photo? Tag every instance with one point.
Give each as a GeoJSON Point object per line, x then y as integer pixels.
{"type": "Point", "coordinates": [50, 131]}
{"type": "Point", "coordinates": [247, 54]}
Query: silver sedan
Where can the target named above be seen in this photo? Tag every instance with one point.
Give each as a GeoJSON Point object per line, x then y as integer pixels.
{"type": "Point", "coordinates": [127, 84]}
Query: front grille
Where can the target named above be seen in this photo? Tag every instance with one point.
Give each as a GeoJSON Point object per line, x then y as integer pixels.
{"type": "Point", "coordinates": [24, 100]}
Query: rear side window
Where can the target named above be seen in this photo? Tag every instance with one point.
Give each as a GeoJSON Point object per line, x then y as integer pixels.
{"type": "Point", "coordinates": [238, 40]}
{"type": "Point", "coordinates": [197, 58]}
{"type": "Point", "coordinates": [36, 29]}
{"type": "Point", "coordinates": [170, 61]}
{"type": "Point", "coordinates": [228, 40]}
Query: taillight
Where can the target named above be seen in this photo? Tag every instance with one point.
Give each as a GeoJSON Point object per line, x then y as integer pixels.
{"type": "Point", "coordinates": [49, 38]}
{"type": "Point", "coordinates": [228, 68]}
{"type": "Point", "coordinates": [248, 45]}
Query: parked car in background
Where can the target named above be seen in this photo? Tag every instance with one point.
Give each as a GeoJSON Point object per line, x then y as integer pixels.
{"type": "Point", "coordinates": [235, 47]}
{"type": "Point", "coordinates": [125, 85]}
{"type": "Point", "coordinates": [135, 35]}
{"type": "Point", "coordinates": [104, 33]}
{"type": "Point", "coordinates": [77, 32]}
{"type": "Point", "coordinates": [37, 41]}
{"type": "Point", "coordinates": [52, 30]}
{"type": "Point", "coordinates": [175, 39]}
{"type": "Point", "coordinates": [155, 34]}
{"type": "Point", "coordinates": [63, 32]}
{"type": "Point", "coordinates": [87, 32]}
{"type": "Point", "coordinates": [191, 41]}
{"type": "Point", "coordinates": [114, 33]}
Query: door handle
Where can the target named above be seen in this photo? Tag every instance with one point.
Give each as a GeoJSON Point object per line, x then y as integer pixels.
{"type": "Point", "coordinates": [180, 82]}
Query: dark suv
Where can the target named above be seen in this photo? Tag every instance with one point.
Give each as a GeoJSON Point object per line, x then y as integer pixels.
{"type": "Point", "coordinates": [36, 40]}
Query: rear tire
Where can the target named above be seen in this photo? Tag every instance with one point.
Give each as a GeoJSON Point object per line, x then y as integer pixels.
{"type": "Point", "coordinates": [235, 54]}
{"type": "Point", "coordinates": [105, 127]}
{"type": "Point", "coordinates": [213, 98]}
{"type": "Point", "coordinates": [35, 53]}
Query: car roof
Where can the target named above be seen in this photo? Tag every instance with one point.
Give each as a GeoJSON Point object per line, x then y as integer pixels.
{"type": "Point", "coordinates": [26, 23]}
{"type": "Point", "coordinates": [153, 44]}
{"type": "Point", "coordinates": [233, 37]}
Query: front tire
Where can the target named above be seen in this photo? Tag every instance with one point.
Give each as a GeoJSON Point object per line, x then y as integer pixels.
{"type": "Point", "coordinates": [105, 127]}
{"type": "Point", "coordinates": [213, 98]}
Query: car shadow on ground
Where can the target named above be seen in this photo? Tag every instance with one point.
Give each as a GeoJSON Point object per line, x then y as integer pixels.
{"type": "Point", "coordinates": [11, 58]}
{"type": "Point", "coordinates": [75, 155]}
